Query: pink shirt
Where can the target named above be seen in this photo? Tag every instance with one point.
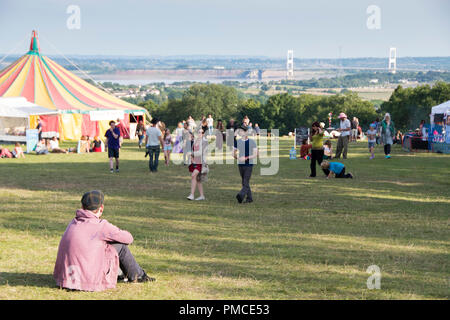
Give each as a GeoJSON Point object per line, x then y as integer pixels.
{"type": "Point", "coordinates": [85, 260]}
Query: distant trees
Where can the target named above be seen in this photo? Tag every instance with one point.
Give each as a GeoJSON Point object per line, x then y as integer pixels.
{"type": "Point", "coordinates": [281, 111]}
{"type": "Point", "coordinates": [408, 106]}
{"type": "Point", "coordinates": [285, 112]}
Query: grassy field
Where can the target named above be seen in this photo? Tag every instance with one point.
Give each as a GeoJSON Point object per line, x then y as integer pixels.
{"type": "Point", "coordinates": [302, 238]}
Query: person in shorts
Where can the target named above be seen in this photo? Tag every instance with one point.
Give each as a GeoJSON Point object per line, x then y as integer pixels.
{"type": "Point", "coordinates": [372, 139]}
{"type": "Point", "coordinates": [112, 144]}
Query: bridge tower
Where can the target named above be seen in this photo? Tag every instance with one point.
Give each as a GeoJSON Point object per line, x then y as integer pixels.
{"type": "Point", "coordinates": [290, 64]}
{"type": "Point", "coordinates": [392, 60]}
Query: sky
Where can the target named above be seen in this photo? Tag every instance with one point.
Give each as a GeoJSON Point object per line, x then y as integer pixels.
{"type": "Point", "coordinates": [313, 29]}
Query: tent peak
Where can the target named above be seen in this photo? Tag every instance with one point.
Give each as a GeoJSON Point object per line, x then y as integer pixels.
{"type": "Point", "coordinates": [34, 45]}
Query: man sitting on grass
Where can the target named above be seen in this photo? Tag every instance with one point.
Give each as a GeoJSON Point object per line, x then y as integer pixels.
{"type": "Point", "coordinates": [335, 168]}
{"type": "Point", "coordinates": [92, 249]}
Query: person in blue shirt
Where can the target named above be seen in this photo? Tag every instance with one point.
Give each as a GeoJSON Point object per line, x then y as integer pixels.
{"type": "Point", "coordinates": [112, 145]}
{"type": "Point", "coordinates": [335, 168]}
{"type": "Point", "coordinates": [245, 150]}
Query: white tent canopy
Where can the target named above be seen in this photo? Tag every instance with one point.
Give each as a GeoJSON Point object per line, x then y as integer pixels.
{"type": "Point", "coordinates": [15, 115]}
{"type": "Point", "coordinates": [443, 108]}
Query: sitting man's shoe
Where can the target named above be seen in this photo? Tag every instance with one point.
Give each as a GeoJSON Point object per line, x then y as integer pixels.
{"type": "Point", "coordinates": [239, 198]}
{"type": "Point", "coordinates": [248, 201]}
{"type": "Point", "coordinates": [122, 278]}
{"type": "Point", "coordinates": [143, 278]}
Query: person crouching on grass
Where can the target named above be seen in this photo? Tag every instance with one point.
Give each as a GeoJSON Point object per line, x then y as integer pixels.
{"type": "Point", "coordinates": [335, 168]}
{"type": "Point", "coordinates": [92, 251]}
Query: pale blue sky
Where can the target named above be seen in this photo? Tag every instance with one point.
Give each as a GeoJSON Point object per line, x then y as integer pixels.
{"type": "Point", "coordinates": [313, 29]}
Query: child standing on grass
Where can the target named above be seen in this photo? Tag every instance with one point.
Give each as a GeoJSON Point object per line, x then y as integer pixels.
{"type": "Point", "coordinates": [372, 139]}
{"type": "Point", "coordinates": [167, 146]}
{"type": "Point", "coordinates": [335, 168]}
{"type": "Point", "coordinates": [304, 150]}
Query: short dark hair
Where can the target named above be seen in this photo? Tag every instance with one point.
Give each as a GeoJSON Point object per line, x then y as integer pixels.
{"type": "Point", "coordinates": [154, 121]}
{"type": "Point", "coordinates": [112, 121]}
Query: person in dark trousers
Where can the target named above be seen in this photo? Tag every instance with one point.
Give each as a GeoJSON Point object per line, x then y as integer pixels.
{"type": "Point", "coordinates": [245, 150]}
{"type": "Point", "coordinates": [317, 147]}
{"type": "Point", "coordinates": [112, 136]}
{"type": "Point", "coordinates": [153, 140]}
{"type": "Point", "coordinates": [94, 254]}
{"type": "Point", "coordinates": [39, 128]}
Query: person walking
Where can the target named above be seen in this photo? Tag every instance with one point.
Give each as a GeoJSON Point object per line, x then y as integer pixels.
{"type": "Point", "coordinates": [355, 125]}
{"type": "Point", "coordinates": [198, 167]}
{"type": "Point", "coordinates": [317, 152]}
{"type": "Point", "coordinates": [387, 134]}
{"type": "Point", "coordinates": [178, 145]}
{"type": "Point", "coordinates": [153, 140]}
{"type": "Point", "coordinates": [167, 146]}
{"type": "Point", "coordinates": [230, 136]}
{"type": "Point", "coordinates": [210, 124]}
{"type": "Point", "coordinates": [140, 130]}
{"type": "Point", "coordinates": [245, 151]}
{"type": "Point", "coordinates": [187, 143]}
{"type": "Point", "coordinates": [219, 135]}
{"type": "Point", "coordinates": [344, 129]}
{"type": "Point", "coordinates": [112, 145]}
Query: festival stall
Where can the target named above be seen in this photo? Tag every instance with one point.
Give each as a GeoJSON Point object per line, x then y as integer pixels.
{"type": "Point", "coordinates": [440, 128]}
{"type": "Point", "coordinates": [434, 136]}
{"type": "Point", "coordinates": [42, 81]}
{"type": "Point", "coordinates": [15, 115]}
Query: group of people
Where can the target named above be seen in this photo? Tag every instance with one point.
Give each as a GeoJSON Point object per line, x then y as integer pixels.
{"type": "Point", "coordinates": [379, 132]}
{"type": "Point", "coordinates": [320, 152]}
{"type": "Point", "coordinates": [17, 152]}
{"type": "Point", "coordinates": [93, 254]}
{"type": "Point", "coordinates": [89, 238]}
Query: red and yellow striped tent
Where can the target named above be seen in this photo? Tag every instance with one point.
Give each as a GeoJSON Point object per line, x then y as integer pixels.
{"type": "Point", "coordinates": [44, 82]}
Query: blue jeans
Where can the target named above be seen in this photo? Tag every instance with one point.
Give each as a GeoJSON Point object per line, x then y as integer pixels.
{"type": "Point", "coordinates": [153, 152]}
{"type": "Point", "coordinates": [141, 139]}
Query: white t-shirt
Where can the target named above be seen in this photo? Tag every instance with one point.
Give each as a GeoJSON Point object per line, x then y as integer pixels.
{"type": "Point", "coordinates": [345, 125]}
{"type": "Point", "coordinates": [369, 133]}
{"type": "Point", "coordinates": [54, 144]}
{"type": "Point", "coordinates": [153, 135]}
{"type": "Point", "coordinates": [209, 122]}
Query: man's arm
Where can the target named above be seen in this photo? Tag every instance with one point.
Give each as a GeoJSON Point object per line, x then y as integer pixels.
{"type": "Point", "coordinates": [111, 233]}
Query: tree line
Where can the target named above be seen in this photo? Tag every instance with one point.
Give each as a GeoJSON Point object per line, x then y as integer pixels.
{"type": "Point", "coordinates": [287, 112]}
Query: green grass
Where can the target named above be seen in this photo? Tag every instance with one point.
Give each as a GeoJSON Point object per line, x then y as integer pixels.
{"type": "Point", "coordinates": [301, 239]}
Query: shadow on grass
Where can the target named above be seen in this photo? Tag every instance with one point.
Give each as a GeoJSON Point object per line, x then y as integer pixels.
{"type": "Point", "coordinates": [27, 279]}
